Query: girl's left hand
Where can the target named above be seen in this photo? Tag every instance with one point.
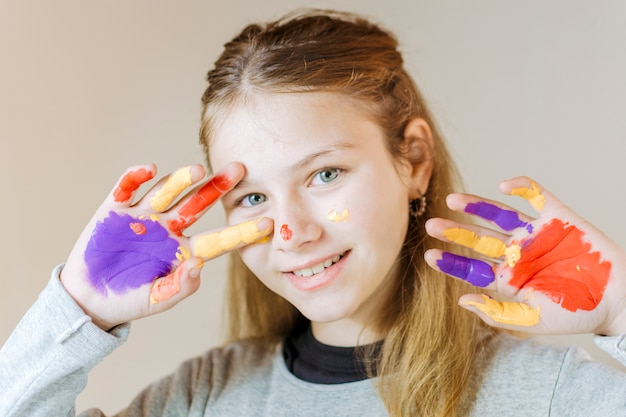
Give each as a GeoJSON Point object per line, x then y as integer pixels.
{"type": "Point", "coordinates": [557, 273]}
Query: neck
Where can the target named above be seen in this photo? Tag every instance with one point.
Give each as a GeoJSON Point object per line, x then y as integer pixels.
{"type": "Point", "coordinates": [344, 334]}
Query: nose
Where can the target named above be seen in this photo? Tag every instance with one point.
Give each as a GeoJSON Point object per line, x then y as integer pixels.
{"type": "Point", "coordinates": [295, 225]}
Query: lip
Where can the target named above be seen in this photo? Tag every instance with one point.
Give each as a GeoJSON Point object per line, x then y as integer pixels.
{"type": "Point", "coordinates": [317, 281]}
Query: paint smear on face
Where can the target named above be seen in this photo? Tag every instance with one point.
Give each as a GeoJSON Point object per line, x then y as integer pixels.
{"type": "Point", "coordinates": [505, 219]}
{"type": "Point", "coordinates": [560, 264]}
{"type": "Point", "coordinates": [285, 232]}
{"type": "Point", "coordinates": [204, 198]}
{"type": "Point", "coordinates": [485, 245]}
{"type": "Point", "coordinates": [516, 314]}
{"type": "Point", "coordinates": [118, 258]}
{"type": "Point", "coordinates": [214, 244]}
{"type": "Point", "coordinates": [533, 195]}
{"type": "Point", "coordinates": [474, 271]}
{"type": "Point", "coordinates": [173, 186]}
{"type": "Point", "coordinates": [336, 217]}
{"type": "Point", "coordinates": [131, 183]}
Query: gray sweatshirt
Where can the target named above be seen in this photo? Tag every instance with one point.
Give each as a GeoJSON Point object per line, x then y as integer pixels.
{"type": "Point", "coordinates": [45, 362]}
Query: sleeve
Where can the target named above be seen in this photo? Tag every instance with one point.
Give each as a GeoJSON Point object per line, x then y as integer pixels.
{"type": "Point", "coordinates": [614, 345]}
{"type": "Point", "coordinates": [586, 388]}
{"type": "Point", "coordinates": [45, 362]}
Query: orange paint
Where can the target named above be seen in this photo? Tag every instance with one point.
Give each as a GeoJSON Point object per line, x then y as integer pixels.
{"type": "Point", "coordinates": [285, 232]}
{"type": "Point", "coordinates": [138, 228]}
{"type": "Point", "coordinates": [560, 264]}
{"type": "Point", "coordinates": [205, 197]}
{"type": "Point", "coordinates": [130, 183]}
{"type": "Point", "coordinates": [166, 287]}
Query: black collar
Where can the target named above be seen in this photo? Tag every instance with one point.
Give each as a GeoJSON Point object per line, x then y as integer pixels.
{"type": "Point", "coordinates": [312, 361]}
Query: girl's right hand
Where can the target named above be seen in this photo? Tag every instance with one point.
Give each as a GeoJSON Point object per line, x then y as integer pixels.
{"type": "Point", "coordinates": [132, 260]}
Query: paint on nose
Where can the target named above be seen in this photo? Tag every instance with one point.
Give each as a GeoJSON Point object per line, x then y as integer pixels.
{"type": "Point", "coordinates": [285, 232]}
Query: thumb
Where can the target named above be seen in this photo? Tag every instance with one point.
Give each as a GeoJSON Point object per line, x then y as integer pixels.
{"type": "Point", "coordinates": [168, 291]}
{"type": "Point", "coordinates": [505, 314]}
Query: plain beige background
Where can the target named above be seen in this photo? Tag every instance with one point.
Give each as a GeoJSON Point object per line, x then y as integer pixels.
{"type": "Point", "coordinates": [89, 87]}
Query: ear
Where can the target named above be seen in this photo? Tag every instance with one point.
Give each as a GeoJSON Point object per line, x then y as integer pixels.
{"type": "Point", "coordinates": [418, 152]}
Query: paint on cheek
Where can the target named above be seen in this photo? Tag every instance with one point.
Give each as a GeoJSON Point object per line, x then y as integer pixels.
{"type": "Point", "coordinates": [505, 219]}
{"type": "Point", "coordinates": [204, 198]}
{"type": "Point", "coordinates": [131, 183]}
{"type": "Point", "coordinates": [118, 258]}
{"type": "Point", "coordinates": [560, 264]}
{"type": "Point", "coordinates": [485, 245]}
{"type": "Point", "coordinates": [285, 232]}
{"type": "Point", "coordinates": [532, 194]}
{"type": "Point", "coordinates": [513, 313]}
{"type": "Point", "coordinates": [336, 217]}
{"type": "Point", "coordinates": [214, 244]}
{"type": "Point", "coordinates": [474, 271]}
{"type": "Point", "coordinates": [173, 186]}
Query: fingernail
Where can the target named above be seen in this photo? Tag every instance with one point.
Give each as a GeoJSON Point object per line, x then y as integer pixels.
{"type": "Point", "coordinates": [195, 271]}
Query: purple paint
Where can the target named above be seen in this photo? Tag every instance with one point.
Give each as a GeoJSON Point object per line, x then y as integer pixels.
{"type": "Point", "coordinates": [474, 271]}
{"type": "Point", "coordinates": [505, 219]}
{"type": "Point", "coordinates": [118, 258]}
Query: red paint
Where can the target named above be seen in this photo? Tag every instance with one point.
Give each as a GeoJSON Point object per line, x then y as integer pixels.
{"type": "Point", "coordinates": [130, 183]}
{"type": "Point", "coordinates": [559, 263]}
{"type": "Point", "coordinates": [285, 233]}
{"type": "Point", "coordinates": [138, 228]}
{"type": "Point", "coordinates": [205, 197]}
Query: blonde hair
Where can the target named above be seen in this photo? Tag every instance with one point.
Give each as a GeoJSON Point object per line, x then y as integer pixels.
{"type": "Point", "coordinates": [430, 343]}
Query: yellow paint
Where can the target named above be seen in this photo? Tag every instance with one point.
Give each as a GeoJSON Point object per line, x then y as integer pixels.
{"type": "Point", "coordinates": [532, 194]}
{"type": "Point", "coordinates": [485, 245]}
{"type": "Point", "coordinates": [336, 217]}
{"type": "Point", "coordinates": [214, 244]}
{"type": "Point", "coordinates": [513, 254]}
{"type": "Point", "coordinates": [183, 253]}
{"type": "Point", "coordinates": [153, 217]}
{"type": "Point", "coordinates": [173, 186]}
{"type": "Point", "coordinates": [513, 313]}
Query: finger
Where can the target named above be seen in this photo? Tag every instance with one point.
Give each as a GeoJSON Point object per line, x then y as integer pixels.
{"type": "Point", "coordinates": [501, 215]}
{"type": "Point", "coordinates": [130, 182]}
{"type": "Point", "coordinates": [505, 314]}
{"type": "Point", "coordinates": [470, 270]}
{"type": "Point", "coordinates": [169, 188]}
{"type": "Point", "coordinates": [484, 241]}
{"type": "Point", "coordinates": [529, 190]}
{"type": "Point", "coordinates": [200, 200]}
{"type": "Point", "coordinates": [178, 285]}
{"type": "Point", "coordinates": [211, 245]}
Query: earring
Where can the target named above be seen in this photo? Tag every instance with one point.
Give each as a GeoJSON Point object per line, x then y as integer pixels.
{"type": "Point", "coordinates": [417, 207]}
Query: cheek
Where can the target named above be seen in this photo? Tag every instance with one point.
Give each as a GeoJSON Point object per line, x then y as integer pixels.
{"type": "Point", "coordinates": [255, 256]}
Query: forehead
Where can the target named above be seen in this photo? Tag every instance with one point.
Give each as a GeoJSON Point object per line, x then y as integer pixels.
{"type": "Point", "coordinates": [289, 125]}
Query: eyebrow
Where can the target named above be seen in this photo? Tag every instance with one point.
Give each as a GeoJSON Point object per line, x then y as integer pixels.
{"type": "Point", "coordinates": [304, 162]}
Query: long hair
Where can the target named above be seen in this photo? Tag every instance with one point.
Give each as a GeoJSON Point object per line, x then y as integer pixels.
{"type": "Point", "coordinates": [430, 343]}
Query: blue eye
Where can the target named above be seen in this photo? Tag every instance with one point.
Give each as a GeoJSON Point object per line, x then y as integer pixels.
{"type": "Point", "coordinates": [253, 200]}
{"type": "Point", "coordinates": [326, 175]}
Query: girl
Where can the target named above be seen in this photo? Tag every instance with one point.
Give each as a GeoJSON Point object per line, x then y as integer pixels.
{"type": "Point", "coordinates": [337, 187]}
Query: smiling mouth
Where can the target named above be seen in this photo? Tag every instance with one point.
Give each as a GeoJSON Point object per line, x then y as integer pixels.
{"type": "Point", "coordinates": [316, 269]}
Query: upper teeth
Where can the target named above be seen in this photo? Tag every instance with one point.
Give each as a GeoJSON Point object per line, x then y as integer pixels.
{"type": "Point", "coordinates": [316, 269]}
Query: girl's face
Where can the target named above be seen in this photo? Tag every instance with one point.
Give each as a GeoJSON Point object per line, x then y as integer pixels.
{"type": "Point", "coordinates": [318, 166]}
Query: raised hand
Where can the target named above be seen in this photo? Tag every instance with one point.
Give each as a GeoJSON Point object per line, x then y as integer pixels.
{"type": "Point", "coordinates": [132, 260]}
{"type": "Point", "coordinates": [554, 274]}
